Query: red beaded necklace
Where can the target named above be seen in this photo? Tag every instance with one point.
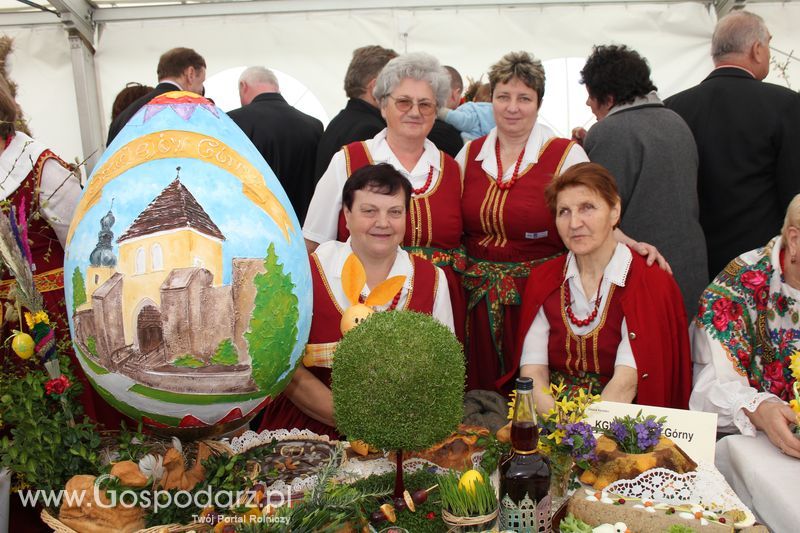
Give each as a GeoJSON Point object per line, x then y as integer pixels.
{"type": "Point", "coordinates": [568, 306]}
{"type": "Point", "coordinates": [392, 306]}
{"type": "Point", "coordinates": [504, 185]}
{"type": "Point", "coordinates": [424, 188]}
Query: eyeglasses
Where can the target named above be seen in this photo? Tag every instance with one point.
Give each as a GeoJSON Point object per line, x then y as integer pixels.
{"type": "Point", "coordinates": [404, 104]}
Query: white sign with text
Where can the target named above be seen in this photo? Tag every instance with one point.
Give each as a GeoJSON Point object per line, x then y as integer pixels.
{"type": "Point", "coordinates": [694, 431]}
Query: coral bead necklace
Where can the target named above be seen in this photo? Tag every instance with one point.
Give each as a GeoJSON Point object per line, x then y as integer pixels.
{"type": "Point", "coordinates": [568, 306]}
{"type": "Point", "coordinates": [504, 185]}
{"type": "Point", "coordinates": [424, 188]}
{"type": "Point", "coordinates": [392, 306]}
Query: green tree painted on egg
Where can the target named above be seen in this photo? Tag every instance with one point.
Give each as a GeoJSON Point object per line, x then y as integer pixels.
{"type": "Point", "coordinates": [273, 325]}
{"type": "Point", "coordinates": [78, 289]}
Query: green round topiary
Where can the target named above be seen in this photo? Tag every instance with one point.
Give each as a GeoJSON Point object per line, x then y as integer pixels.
{"type": "Point", "coordinates": [398, 381]}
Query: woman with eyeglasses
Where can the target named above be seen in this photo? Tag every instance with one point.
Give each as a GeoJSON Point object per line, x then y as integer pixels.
{"type": "Point", "coordinates": [409, 90]}
{"type": "Point", "coordinates": [508, 228]}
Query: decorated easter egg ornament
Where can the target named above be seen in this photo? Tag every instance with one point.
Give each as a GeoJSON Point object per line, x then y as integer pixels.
{"type": "Point", "coordinates": [468, 481]}
{"type": "Point", "coordinates": [22, 344]}
{"type": "Point", "coordinates": [186, 275]}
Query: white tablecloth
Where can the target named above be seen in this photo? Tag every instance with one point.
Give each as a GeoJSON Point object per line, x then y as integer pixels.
{"type": "Point", "coordinates": [763, 478]}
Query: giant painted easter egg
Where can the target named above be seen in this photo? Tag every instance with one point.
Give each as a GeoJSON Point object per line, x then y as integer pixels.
{"type": "Point", "coordinates": [187, 279]}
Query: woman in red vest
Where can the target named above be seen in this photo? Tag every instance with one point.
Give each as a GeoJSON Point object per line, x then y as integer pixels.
{"type": "Point", "coordinates": [599, 317]}
{"type": "Point", "coordinates": [375, 201]}
{"type": "Point", "coordinates": [508, 228]}
{"type": "Point", "coordinates": [409, 90]}
{"type": "Point", "coordinates": [35, 180]}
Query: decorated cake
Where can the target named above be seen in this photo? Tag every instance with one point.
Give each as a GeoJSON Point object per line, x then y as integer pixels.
{"type": "Point", "coordinates": [599, 507]}
{"type": "Point", "coordinates": [630, 446]}
{"type": "Point", "coordinates": [614, 464]}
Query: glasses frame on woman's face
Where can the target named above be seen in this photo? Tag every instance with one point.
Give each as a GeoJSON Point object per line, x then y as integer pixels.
{"type": "Point", "coordinates": [584, 220]}
{"type": "Point", "coordinates": [515, 106]}
{"type": "Point", "coordinates": [412, 123]}
{"type": "Point", "coordinates": [404, 104]}
{"type": "Point", "coordinates": [377, 222]}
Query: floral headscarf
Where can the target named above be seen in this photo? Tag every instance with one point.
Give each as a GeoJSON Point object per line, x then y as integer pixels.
{"type": "Point", "coordinates": [753, 313]}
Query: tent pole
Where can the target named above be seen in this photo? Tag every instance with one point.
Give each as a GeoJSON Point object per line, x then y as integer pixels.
{"type": "Point", "coordinates": [89, 113]}
{"type": "Point", "coordinates": [77, 18]}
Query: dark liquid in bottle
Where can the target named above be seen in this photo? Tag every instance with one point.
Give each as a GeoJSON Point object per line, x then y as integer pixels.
{"type": "Point", "coordinates": [524, 473]}
{"type": "Point", "coordinates": [524, 436]}
{"type": "Point", "coordinates": [521, 474]}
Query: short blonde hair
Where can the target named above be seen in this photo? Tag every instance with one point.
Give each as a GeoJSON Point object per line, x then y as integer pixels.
{"type": "Point", "coordinates": [792, 218]}
{"type": "Point", "coordinates": [520, 65]}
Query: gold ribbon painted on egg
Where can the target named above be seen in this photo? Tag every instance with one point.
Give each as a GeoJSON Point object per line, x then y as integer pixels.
{"type": "Point", "coordinates": [184, 144]}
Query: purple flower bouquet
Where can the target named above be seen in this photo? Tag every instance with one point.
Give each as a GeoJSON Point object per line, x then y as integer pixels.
{"type": "Point", "coordinates": [635, 434]}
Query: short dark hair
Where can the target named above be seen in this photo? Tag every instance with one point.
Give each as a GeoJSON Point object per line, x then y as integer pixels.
{"type": "Point", "coordinates": [132, 92]}
{"type": "Point", "coordinates": [365, 66]}
{"type": "Point", "coordinates": [173, 63]}
{"type": "Point", "coordinates": [382, 178]}
{"type": "Point", "coordinates": [617, 72]}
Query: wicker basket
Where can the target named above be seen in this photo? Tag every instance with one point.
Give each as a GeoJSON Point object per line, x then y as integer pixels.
{"type": "Point", "coordinates": [59, 527]}
{"type": "Point", "coordinates": [469, 523]}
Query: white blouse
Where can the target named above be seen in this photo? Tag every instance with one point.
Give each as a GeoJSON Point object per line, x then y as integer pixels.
{"type": "Point", "coordinates": [322, 218]}
{"type": "Point", "coordinates": [534, 348]}
{"type": "Point", "coordinates": [536, 141]}
{"type": "Point", "coordinates": [333, 254]}
{"type": "Point", "coordinates": [59, 189]}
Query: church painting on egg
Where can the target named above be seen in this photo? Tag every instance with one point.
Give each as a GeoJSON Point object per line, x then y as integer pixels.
{"type": "Point", "coordinates": [158, 312]}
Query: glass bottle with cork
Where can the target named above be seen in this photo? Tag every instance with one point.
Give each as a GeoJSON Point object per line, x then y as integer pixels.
{"type": "Point", "coordinates": [525, 473]}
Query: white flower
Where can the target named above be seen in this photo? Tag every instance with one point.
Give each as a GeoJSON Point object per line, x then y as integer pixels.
{"type": "Point", "coordinates": [176, 443]}
{"type": "Point", "coordinates": [108, 456]}
{"type": "Point", "coordinates": [151, 466]}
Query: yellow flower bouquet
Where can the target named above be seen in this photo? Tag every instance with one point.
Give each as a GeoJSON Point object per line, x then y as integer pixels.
{"type": "Point", "coordinates": [565, 436]}
{"type": "Point", "coordinates": [794, 365]}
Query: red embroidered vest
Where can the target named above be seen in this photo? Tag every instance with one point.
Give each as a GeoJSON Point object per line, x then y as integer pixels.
{"type": "Point", "coordinates": [593, 353]}
{"type": "Point", "coordinates": [515, 224]}
{"type": "Point", "coordinates": [325, 326]}
{"type": "Point", "coordinates": [434, 217]}
{"type": "Point", "coordinates": [48, 255]}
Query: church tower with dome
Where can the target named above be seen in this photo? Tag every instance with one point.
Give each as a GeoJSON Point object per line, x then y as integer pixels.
{"type": "Point", "coordinates": [102, 261]}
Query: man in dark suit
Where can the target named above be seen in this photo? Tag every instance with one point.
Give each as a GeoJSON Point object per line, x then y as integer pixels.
{"type": "Point", "coordinates": [179, 69]}
{"type": "Point", "coordinates": [286, 137]}
{"type": "Point", "coordinates": [360, 119]}
{"type": "Point", "coordinates": [748, 139]}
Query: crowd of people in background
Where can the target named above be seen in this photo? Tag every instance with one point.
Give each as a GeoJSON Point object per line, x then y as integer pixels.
{"type": "Point", "coordinates": [583, 259]}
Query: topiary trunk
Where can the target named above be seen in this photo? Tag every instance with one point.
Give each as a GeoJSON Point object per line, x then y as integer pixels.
{"type": "Point", "coordinates": [399, 485]}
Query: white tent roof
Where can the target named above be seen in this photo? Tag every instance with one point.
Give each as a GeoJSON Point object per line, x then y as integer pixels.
{"type": "Point", "coordinates": [67, 82]}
